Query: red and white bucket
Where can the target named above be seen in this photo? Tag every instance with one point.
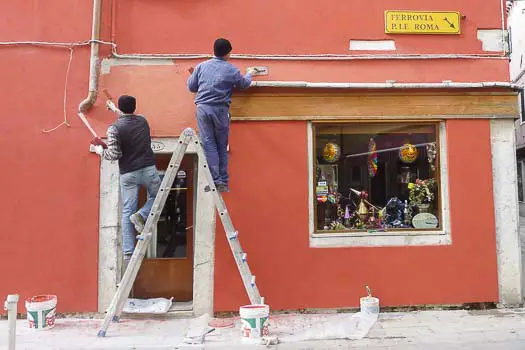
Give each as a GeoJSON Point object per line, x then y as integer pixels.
{"type": "Point", "coordinates": [41, 311]}
{"type": "Point", "coordinates": [254, 321]}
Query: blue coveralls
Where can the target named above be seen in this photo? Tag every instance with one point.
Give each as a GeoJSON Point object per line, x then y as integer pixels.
{"type": "Point", "coordinates": [213, 82]}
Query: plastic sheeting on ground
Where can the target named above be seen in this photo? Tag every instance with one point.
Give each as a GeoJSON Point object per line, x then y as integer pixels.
{"type": "Point", "coordinates": [322, 327]}
{"type": "Point", "coordinates": [147, 306]}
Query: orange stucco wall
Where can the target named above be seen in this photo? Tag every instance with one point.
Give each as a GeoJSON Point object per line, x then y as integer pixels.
{"type": "Point", "coordinates": [49, 211]}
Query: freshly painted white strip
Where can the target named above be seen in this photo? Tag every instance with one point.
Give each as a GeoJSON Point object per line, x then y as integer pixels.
{"type": "Point", "coordinates": [107, 63]}
{"type": "Point", "coordinates": [109, 240]}
{"type": "Point", "coordinates": [372, 45]}
{"type": "Point", "coordinates": [491, 39]}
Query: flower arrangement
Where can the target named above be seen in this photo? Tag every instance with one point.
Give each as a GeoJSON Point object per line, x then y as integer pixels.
{"type": "Point", "coordinates": [422, 191]}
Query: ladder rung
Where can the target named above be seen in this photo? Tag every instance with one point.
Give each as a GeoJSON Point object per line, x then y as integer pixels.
{"type": "Point", "coordinates": [234, 235]}
{"type": "Point", "coordinates": [142, 237]}
{"type": "Point", "coordinates": [243, 258]}
{"type": "Point", "coordinates": [253, 281]}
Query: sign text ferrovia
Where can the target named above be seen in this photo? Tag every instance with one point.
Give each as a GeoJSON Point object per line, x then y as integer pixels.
{"type": "Point", "coordinates": [422, 22]}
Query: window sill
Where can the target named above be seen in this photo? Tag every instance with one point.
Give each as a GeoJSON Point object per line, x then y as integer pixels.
{"type": "Point", "coordinates": [379, 239]}
{"type": "Point", "coordinates": [372, 233]}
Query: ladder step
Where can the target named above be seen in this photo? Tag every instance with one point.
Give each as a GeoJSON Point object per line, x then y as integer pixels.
{"type": "Point", "coordinates": [253, 281]}
{"type": "Point", "coordinates": [208, 189]}
{"type": "Point", "coordinates": [142, 237]}
{"type": "Point", "coordinates": [234, 236]}
{"type": "Point", "coordinates": [243, 258]}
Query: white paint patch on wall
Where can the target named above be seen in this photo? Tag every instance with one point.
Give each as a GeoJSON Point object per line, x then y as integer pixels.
{"type": "Point", "coordinates": [508, 246]}
{"type": "Point", "coordinates": [491, 39]}
{"type": "Point", "coordinates": [109, 241]}
{"type": "Point", "coordinates": [107, 63]}
{"type": "Point", "coordinates": [372, 45]}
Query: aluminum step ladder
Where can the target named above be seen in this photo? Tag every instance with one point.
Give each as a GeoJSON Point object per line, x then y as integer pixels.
{"type": "Point", "coordinates": [119, 299]}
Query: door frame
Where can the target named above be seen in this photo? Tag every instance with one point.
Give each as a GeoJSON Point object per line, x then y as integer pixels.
{"type": "Point", "coordinates": [110, 240]}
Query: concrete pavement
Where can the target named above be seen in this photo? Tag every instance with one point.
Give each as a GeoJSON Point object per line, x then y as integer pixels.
{"type": "Point", "coordinates": [490, 329]}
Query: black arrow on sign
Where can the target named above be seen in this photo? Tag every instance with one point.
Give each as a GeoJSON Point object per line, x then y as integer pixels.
{"type": "Point", "coordinates": [451, 24]}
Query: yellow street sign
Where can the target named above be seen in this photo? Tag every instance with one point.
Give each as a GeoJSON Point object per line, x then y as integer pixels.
{"type": "Point", "coordinates": [422, 22]}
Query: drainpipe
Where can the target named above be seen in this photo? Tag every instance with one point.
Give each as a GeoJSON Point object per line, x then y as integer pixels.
{"type": "Point", "coordinates": [89, 101]}
{"type": "Point", "coordinates": [10, 305]}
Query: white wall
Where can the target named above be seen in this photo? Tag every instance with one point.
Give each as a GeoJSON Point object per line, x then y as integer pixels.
{"type": "Point", "coordinates": [516, 26]}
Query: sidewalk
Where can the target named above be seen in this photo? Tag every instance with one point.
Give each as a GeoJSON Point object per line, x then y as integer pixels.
{"type": "Point", "coordinates": [428, 330]}
{"type": "Point", "coordinates": [489, 329]}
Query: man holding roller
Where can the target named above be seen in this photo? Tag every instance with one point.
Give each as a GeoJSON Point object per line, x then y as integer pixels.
{"type": "Point", "coordinates": [213, 82]}
{"type": "Point", "coordinates": [129, 142]}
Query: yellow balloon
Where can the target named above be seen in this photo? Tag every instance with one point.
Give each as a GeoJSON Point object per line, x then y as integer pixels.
{"type": "Point", "coordinates": [331, 152]}
{"type": "Point", "coordinates": [408, 153]}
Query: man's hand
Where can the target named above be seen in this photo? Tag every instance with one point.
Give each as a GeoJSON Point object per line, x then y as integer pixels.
{"type": "Point", "coordinates": [251, 71]}
{"type": "Point", "coordinates": [191, 70]}
{"type": "Point", "coordinates": [97, 141]}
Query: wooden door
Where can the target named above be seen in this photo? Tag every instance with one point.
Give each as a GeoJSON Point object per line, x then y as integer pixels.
{"type": "Point", "coordinates": [170, 273]}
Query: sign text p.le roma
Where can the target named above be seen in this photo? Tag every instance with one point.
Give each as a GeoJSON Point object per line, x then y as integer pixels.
{"type": "Point", "coordinates": [422, 22]}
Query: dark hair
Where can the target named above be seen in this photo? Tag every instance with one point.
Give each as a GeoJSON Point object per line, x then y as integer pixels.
{"type": "Point", "coordinates": [221, 47]}
{"type": "Point", "coordinates": [127, 104]}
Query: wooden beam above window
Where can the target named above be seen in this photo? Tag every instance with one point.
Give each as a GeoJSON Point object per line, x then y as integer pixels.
{"type": "Point", "coordinates": [384, 106]}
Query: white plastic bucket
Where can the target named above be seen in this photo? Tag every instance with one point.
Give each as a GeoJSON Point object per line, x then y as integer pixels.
{"type": "Point", "coordinates": [369, 305]}
{"type": "Point", "coordinates": [41, 311]}
{"type": "Point", "coordinates": [254, 321]}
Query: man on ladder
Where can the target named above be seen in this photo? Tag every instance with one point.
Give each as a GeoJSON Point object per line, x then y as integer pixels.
{"type": "Point", "coordinates": [129, 142]}
{"type": "Point", "coordinates": [213, 82]}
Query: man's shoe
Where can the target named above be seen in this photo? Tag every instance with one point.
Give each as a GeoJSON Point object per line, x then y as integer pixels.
{"type": "Point", "coordinates": [223, 188]}
{"type": "Point", "coordinates": [138, 221]}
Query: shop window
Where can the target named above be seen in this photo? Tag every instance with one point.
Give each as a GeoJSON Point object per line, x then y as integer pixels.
{"type": "Point", "coordinates": [376, 177]}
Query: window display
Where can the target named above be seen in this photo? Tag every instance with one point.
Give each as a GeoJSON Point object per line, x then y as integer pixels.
{"type": "Point", "coordinates": [376, 177]}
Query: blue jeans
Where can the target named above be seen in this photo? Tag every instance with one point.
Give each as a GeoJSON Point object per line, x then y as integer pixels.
{"type": "Point", "coordinates": [214, 129]}
{"type": "Point", "coordinates": [130, 184]}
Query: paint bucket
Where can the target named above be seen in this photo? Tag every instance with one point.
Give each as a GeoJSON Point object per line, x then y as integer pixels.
{"type": "Point", "coordinates": [41, 310]}
{"type": "Point", "coordinates": [369, 305]}
{"type": "Point", "coordinates": [254, 321]}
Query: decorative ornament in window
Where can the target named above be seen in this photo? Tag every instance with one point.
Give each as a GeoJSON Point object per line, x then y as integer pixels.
{"type": "Point", "coordinates": [331, 152]}
{"type": "Point", "coordinates": [376, 177]}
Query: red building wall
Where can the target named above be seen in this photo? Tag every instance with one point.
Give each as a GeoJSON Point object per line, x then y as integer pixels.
{"type": "Point", "coordinates": [269, 205]}
{"type": "Point", "coordinates": [49, 213]}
